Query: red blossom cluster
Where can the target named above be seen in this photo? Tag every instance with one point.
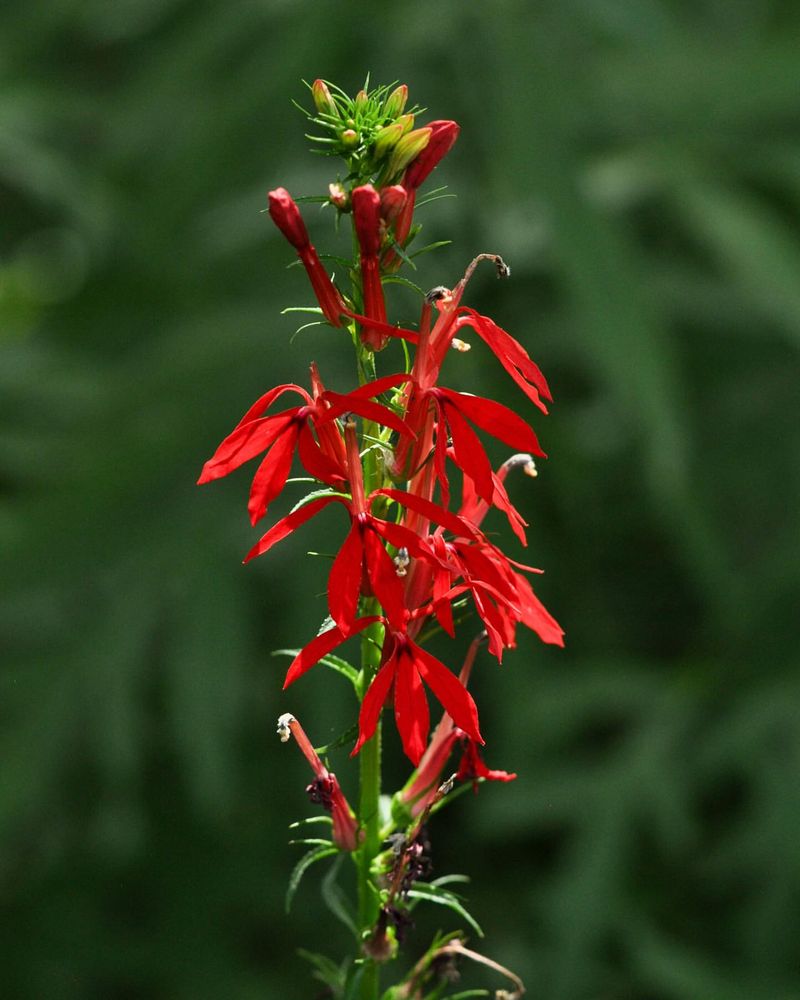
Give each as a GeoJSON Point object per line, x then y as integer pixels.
{"type": "Point", "coordinates": [408, 551]}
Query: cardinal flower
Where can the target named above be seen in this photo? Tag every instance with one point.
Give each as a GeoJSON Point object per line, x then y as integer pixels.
{"type": "Point", "coordinates": [367, 221]}
{"type": "Point", "coordinates": [363, 554]}
{"type": "Point", "coordinates": [405, 667]}
{"type": "Point", "coordinates": [325, 788]}
{"type": "Point", "coordinates": [282, 433]}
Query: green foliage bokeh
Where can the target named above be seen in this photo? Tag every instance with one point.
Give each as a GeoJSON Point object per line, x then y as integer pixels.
{"type": "Point", "coordinates": [637, 162]}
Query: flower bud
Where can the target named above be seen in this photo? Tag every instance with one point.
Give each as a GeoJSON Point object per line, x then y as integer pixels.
{"type": "Point", "coordinates": [396, 101]}
{"type": "Point", "coordinates": [442, 139]}
{"type": "Point", "coordinates": [286, 216]}
{"type": "Point", "coordinates": [407, 121]}
{"type": "Point", "coordinates": [323, 101]}
{"type": "Point", "coordinates": [393, 199]}
{"type": "Point", "coordinates": [408, 149]}
{"type": "Point", "coordinates": [361, 100]}
{"type": "Point", "coordinates": [367, 218]}
{"type": "Point", "coordinates": [349, 138]}
{"type": "Point", "coordinates": [385, 139]}
{"type": "Point", "coordinates": [339, 197]}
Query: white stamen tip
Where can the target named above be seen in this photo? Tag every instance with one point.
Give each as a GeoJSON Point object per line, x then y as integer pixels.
{"type": "Point", "coordinates": [460, 345]}
{"type": "Point", "coordinates": [284, 722]}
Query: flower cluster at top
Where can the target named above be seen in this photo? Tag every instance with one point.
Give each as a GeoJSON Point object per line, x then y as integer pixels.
{"type": "Point", "coordinates": [384, 453]}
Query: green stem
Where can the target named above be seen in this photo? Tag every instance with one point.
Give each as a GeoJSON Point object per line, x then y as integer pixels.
{"type": "Point", "coordinates": [369, 808]}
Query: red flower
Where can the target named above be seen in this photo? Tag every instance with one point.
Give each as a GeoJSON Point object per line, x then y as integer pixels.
{"type": "Point", "coordinates": [404, 667]}
{"type": "Point", "coordinates": [281, 433]}
{"type": "Point", "coordinates": [325, 788]}
{"type": "Point", "coordinates": [472, 766]}
{"type": "Point", "coordinates": [362, 556]}
{"type": "Point", "coordinates": [286, 216]}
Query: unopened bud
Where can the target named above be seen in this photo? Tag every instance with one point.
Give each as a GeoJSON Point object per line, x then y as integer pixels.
{"type": "Point", "coordinates": [442, 139]}
{"type": "Point", "coordinates": [286, 216]}
{"type": "Point", "coordinates": [361, 100]}
{"type": "Point", "coordinates": [349, 138]}
{"type": "Point", "coordinates": [367, 218]}
{"type": "Point", "coordinates": [396, 101]}
{"type": "Point", "coordinates": [385, 139]}
{"type": "Point", "coordinates": [407, 149]}
{"type": "Point", "coordinates": [407, 121]}
{"type": "Point", "coordinates": [393, 199]}
{"type": "Point", "coordinates": [323, 101]}
{"type": "Point", "coordinates": [338, 197]}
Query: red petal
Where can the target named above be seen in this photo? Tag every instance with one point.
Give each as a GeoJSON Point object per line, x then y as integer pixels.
{"type": "Point", "coordinates": [386, 584]}
{"type": "Point", "coordinates": [271, 475]}
{"type": "Point", "coordinates": [512, 356]}
{"type": "Point", "coordinates": [244, 443]}
{"type": "Point", "coordinates": [402, 537]}
{"type": "Point", "coordinates": [344, 582]}
{"type": "Point", "coordinates": [364, 408]}
{"type": "Point", "coordinates": [372, 704]}
{"type": "Point", "coordinates": [392, 331]}
{"type": "Point", "coordinates": [265, 401]}
{"type": "Point", "coordinates": [433, 512]}
{"type": "Point", "coordinates": [317, 462]}
{"type": "Point", "coordinates": [410, 707]}
{"type": "Point", "coordinates": [496, 419]}
{"type": "Point", "coordinates": [379, 385]}
{"type": "Point", "coordinates": [320, 646]}
{"type": "Point", "coordinates": [536, 616]}
{"type": "Point", "coordinates": [469, 454]}
{"type": "Point", "coordinates": [454, 697]}
{"type": "Point", "coordinates": [288, 524]}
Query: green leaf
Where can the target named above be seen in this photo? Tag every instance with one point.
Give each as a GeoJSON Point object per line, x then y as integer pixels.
{"type": "Point", "coordinates": [431, 246]}
{"type": "Point", "coordinates": [326, 970]}
{"type": "Point", "coordinates": [312, 840]}
{"type": "Point", "coordinates": [299, 870]}
{"type": "Point", "coordinates": [302, 309]}
{"type": "Point", "coordinates": [335, 899]}
{"type": "Point", "coordinates": [347, 736]}
{"type": "Point", "coordinates": [398, 279]}
{"type": "Point", "coordinates": [315, 495]}
{"type": "Point", "coordinates": [433, 894]}
{"type": "Point", "coordinates": [310, 819]}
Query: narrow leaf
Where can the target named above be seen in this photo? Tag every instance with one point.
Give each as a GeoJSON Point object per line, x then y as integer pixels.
{"type": "Point", "coordinates": [299, 870]}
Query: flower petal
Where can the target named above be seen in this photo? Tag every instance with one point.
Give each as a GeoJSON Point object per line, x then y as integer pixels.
{"type": "Point", "coordinates": [244, 443]}
{"type": "Point", "coordinates": [410, 706]}
{"type": "Point", "coordinates": [364, 408]}
{"type": "Point", "coordinates": [288, 524]}
{"type": "Point", "coordinates": [469, 453]}
{"type": "Point", "coordinates": [265, 401]}
{"type": "Point", "coordinates": [433, 512]}
{"type": "Point", "coordinates": [512, 356]}
{"type": "Point", "coordinates": [344, 582]}
{"type": "Point", "coordinates": [316, 461]}
{"type": "Point", "coordinates": [271, 475]}
{"type": "Point", "coordinates": [496, 419]}
{"type": "Point", "coordinates": [454, 697]}
{"type": "Point", "coordinates": [321, 645]}
{"type": "Point", "coordinates": [372, 704]}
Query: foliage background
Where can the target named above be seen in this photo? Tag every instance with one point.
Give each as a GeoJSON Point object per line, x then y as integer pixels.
{"type": "Point", "coordinates": [638, 164]}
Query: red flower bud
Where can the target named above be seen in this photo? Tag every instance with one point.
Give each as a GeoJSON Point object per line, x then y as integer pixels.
{"type": "Point", "coordinates": [286, 216]}
{"type": "Point", "coordinates": [392, 201]}
{"type": "Point", "coordinates": [442, 140]}
{"type": "Point", "coordinates": [367, 218]}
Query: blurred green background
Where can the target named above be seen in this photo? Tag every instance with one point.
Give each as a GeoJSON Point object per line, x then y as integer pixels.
{"type": "Point", "coordinates": [637, 162]}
